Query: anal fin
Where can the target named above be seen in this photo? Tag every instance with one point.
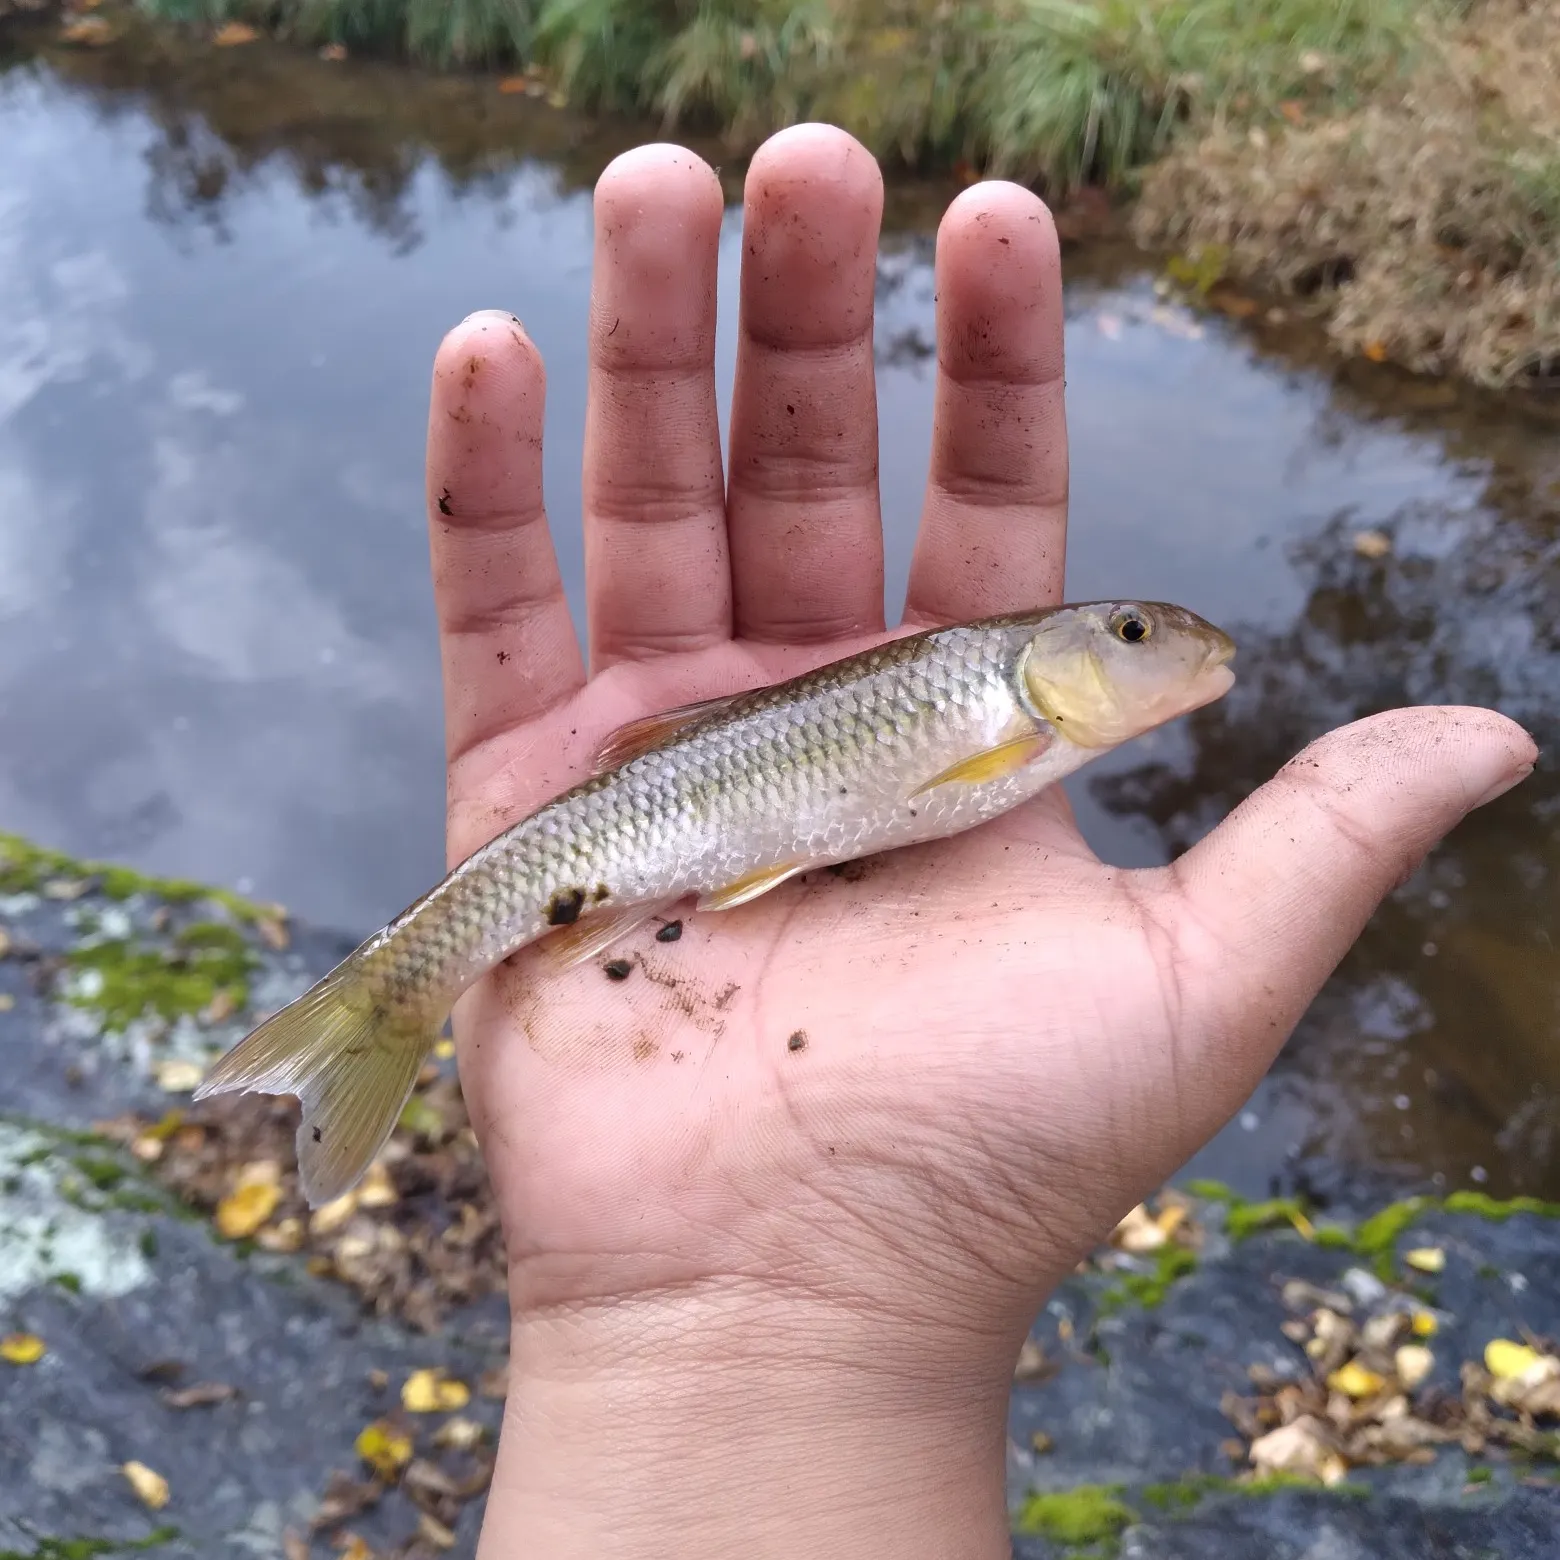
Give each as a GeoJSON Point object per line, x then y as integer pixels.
{"type": "Point", "coordinates": [750, 886]}
{"type": "Point", "coordinates": [637, 737]}
{"type": "Point", "coordinates": [991, 764]}
{"type": "Point", "coordinates": [596, 932]}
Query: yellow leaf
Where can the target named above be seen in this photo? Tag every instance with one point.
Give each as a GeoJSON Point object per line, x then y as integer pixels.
{"type": "Point", "coordinates": [233, 33]}
{"type": "Point", "coordinates": [1425, 1324]}
{"type": "Point", "coordinates": [353, 1548]}
{"type": "Point", "coordinates": [7, 1002]}
{"type": "Point", "coordinates": [22, 1349]}
{"type": "Point", "coordinates": [252, 1201]}
{"type": "Point", "coordinates": [1426, 1259]}
{"type": "Point", "coordinates": [1376, 351]}
{"type": "Point", "coordinates": [432, 1392]}
{"type": "Point", "coordinates": [1355, 1381]}
{"type": "Point", "coordinates": [511, 84]}
{"type": "Point", "coordinates": [177, 1076]}
{"type": "Point", "coordinates": [444, 1049]}
{"type": "Point", "coordinates": [1506, 1361]}
{"type": "Point", "coordinates": [151, 1488]}
{"type": "Point", "coordinates": [384, 1448]}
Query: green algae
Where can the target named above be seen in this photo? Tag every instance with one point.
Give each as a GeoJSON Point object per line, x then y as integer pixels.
{"type": "Point", "coordinates": [27, 868]}
{"type": "Point", "coordinates": [122, 979]}
{"type": "Point", "coordinates": [1498, 1210]}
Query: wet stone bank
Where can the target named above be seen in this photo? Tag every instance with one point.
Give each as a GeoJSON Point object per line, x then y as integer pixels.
{"type": "Point", "coordinates": [192, 1364]}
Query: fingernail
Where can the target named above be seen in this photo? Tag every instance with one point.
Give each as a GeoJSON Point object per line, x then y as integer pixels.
{"type": "Point", "coordinates": [492, 314]}
{"type": "Point", "coordinates": [1502, 786]}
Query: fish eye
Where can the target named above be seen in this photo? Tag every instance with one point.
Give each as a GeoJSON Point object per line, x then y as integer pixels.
{"type": "Point", "coordinates": [1131, 626]}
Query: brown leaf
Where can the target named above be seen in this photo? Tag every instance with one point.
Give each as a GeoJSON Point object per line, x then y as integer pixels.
{"type": "Point", "coordinates": [231, 34]}
{"type": "Point", "coordinates": [1292, 111]}
{"type": "Point", "coordinates": [344, 1497]}
{"type": "Point", "coordinates": [435, 1532]}
{"type": "Point", "coordinates": [495, 1383]}
{"type": "Point", "coordinates": [198, 1395]}
{"type": "Point", "coordinates": [272, 929]}
{"type": "Point", "coordinates": [294, 1546]}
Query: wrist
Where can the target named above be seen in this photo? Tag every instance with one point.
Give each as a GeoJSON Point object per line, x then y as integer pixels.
{"type": "Point", "coordinates": [727, 1419]}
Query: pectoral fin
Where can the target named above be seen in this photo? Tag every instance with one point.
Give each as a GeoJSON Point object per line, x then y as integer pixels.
{"type": "Point", "coordinates": [750, 886]}
{"type": "Point", "coordinates": [637, 737]}
{"type": "Point", "coordinates": [992, 764]}
{"type": "Point", "coordinates": [596, 932]}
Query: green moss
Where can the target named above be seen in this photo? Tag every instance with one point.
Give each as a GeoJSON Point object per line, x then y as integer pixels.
{"type": "Point", "coordinates": [1149, 1289]}
{"type": "Point", "coordinates": [29, 868]}
{"type": "Point", "coordinates": [1184, 1493]}
{"type": "Point", "coordinates": [1244, 1219]}
{"type": "Point", "coordinates": [136, 980]}
{"type": "Point", "coordinates": [1085, 1515]}
{"type": "Point", "coordinates": [1209, 1191]}
{"type": "Point", "coordinates": [91, 1548]}
{"type": "Point", "coordinates": [69, 1282]}
{"type": "Point", "coordinates": [1480, 1475]}
{"type": "Point", "coordinates": [104, 1174]}
{"type": "Point", "coordinates": [148, 1243]}
{"type": "Point", "coordinates": [1499, 1210]}
{"type": "Point", "coordinates": [1376, 1239]}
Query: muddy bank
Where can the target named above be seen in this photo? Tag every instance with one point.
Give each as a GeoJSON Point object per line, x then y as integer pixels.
{"type": "Point", "coordinates": [1331, 1366]}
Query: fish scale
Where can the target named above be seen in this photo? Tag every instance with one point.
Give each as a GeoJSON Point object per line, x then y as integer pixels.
{"type": "Point", "coordinates": [915, 740]}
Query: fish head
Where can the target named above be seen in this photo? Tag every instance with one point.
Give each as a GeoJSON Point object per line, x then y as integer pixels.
{"type": "Point", "coordinates": [1103, 672]}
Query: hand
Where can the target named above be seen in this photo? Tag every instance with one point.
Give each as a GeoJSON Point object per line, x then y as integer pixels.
{"type": "Point", "coordinates": [781, 1204]}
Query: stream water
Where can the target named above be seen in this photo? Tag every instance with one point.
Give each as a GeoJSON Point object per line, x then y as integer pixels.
{"type": "Point", "coordinates": [222, 279]}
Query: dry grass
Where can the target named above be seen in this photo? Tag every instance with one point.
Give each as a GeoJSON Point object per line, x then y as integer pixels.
{"type": "Point", "coordinates": [1424, 226]}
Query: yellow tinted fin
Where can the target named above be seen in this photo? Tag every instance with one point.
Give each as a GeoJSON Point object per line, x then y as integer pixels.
{"type": "Point", "coordinates": [349, 1057]}
{"type": "Point", "coordinates": [639, 736]}
{"type": "Point", "coordinates": [750, 886]}
{"type": "Point", "coordinates": [596, 932]}
{"type": "Point", "coordinates": [992, 764]}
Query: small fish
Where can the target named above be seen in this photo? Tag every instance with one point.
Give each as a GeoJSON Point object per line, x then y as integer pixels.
{"type": "Point", "coordinates": [915, 740]}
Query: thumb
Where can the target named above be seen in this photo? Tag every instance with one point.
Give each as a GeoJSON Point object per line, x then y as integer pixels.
{"type": "Point", "coordinates": [1272, 899]}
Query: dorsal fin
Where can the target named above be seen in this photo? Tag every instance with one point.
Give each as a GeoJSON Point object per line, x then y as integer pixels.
{"type": "Point", "coordinates": [637, 737]}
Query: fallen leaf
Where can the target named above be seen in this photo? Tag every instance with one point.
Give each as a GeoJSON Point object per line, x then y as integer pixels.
{"type": "Point", "coordinates": [354, 1548]}
{"type": "Point", "coordinates": [148, 1147]}
{"type": "Point", "coordinates": [1139, 1232]}
{"type": "Point", "coordinates": [294, 1546]}
{"type": "Point", "coordinates": [1372, 544]}
{"type": "Point", "coordinates": [512, 84]}
{"type": "Point", "coordinates": [444, 1049]}
{"type": "Point", "coordinates": [22, 1348]}
{"type": "Point", "coordinates": [221, 1007]}
{"type": "Point", "coordinates": [378, 1379]}
{"type": "Point", "coordinates": [1413, 1362]}
{"type": "Point", "coordinates": [344, 1497]}
{"type": "Point", "coordinates": [1292, 111]}
{"type": "Point", "coordinates": [272, 929]}
{"type": "Point", "coordinates": [430, 1479]}
{"type": "Point", "coordinates": [384, 1448]}
{"type": "Point", "coordinates": [198, 1394]}
{"type": "Point", "coordinates": [1376, 351]}
{"type": "Point", "coordinates": [1041, 1443]}
{"type": "Point", "coordinates": [434, 1531]}
{"type": "Point", "coordinates": [1424, 1324]}
{"type": "Point", "coordinates": [252, 1201]}
{"type": "Point", "coordinates": [495, 1383]}
{"type": "Point", "coordinates": [377, 1190]}
{"type": "Point", "coordinates": [1032, 1364]}
{"type": "Point", "coordinates": [178, 1076]}
{"type": "Point", "coordinates": [90, 29]}
{"type": "Point", "coordinates": [331, 1216]}
{"type": "Point", "coordinates": [459, 1435]}
{"type": "Point", "coordinates": [151, 1488]}
{"type": "Point", "coordinates": [1508, 1361]}
{"type": "Point", "coordinates": [1300, 1448]}
{"type": "Point", "coordinates": [432, 1392]}
{"type": "Point", "coordinates": [1236, 305]}
{"type": "Point", "coordinates": [557, 100]}
{"type": "Point", "coordinates": [335, 53]}
{"type": "Point", "coordinates": [232, 34]}
{"type": "Point", "coordinates": [7, 1002]}
{"type": "Point", "coordinates": [286, 1235]}
{"type": "Point", "coordinates": [1355, 1381]}
{"type": "Point", "coordinates": [1426, 1259]}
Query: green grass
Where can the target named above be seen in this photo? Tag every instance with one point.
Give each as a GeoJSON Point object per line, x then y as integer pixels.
{"type": "Point", "coordinates": [1149, 1289]}
{"type": "Point", "coordinates": [1056, 91]}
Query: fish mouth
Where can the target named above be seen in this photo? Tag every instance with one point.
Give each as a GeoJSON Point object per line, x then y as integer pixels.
{"type": "Point", "coordinates": [1222, 651]}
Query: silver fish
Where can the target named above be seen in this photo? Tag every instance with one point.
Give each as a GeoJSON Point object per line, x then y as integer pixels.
{"type": "Point", "coordinates": [914, 740]}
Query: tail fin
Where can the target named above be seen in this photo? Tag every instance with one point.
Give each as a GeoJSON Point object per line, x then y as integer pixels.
{"type": "Point", "coordinates": [350, 1057]}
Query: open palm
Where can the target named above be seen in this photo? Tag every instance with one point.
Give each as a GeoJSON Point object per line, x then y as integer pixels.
{"type": "Point", "coordinates": [928, 1084]}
